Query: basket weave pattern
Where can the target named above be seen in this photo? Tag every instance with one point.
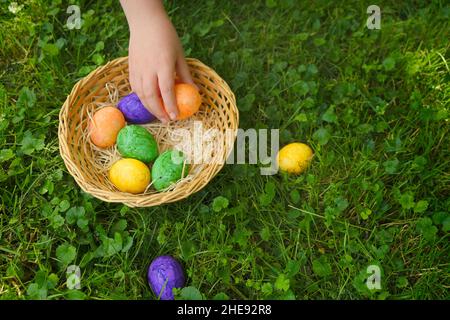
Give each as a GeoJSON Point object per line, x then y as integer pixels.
{"type": "Point", "coordinates": [218, 107]}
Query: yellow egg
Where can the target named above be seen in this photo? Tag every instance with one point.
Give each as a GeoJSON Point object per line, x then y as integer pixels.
{"type": "Point", "coordinates": [130, 175]}
{"type": "Point", "coordinates": [294, 157]}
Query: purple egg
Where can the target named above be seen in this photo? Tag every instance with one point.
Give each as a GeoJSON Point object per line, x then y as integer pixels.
{"type": "Point", "coordinates": [133, 110]}
{"type": "Point", "coordinates": [164, 274]}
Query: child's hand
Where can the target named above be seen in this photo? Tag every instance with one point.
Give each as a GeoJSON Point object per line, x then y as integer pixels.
{"type": "Point", "coordinates": [155, 54]}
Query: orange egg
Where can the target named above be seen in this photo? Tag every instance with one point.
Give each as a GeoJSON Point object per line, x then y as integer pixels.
{"type": "Point", "coordinates": [188, 100]}
{"type": "Point", "coordinates": [105, 125]}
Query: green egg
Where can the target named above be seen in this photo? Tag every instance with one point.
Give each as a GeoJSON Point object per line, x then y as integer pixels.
{"type": "Point", "coordinates": [136, 142]}
{"type": "Point", "coordinates": [168, 169]}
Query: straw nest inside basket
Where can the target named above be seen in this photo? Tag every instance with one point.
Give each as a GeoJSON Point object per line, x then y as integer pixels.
{"type": "Point", "coordinates": [199, 151]}
{"type": "Point", "coordinates": [206, 139]}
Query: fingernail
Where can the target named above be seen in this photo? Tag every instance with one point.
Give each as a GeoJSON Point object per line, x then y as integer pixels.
{"type": "Point", "coordinates": [173, 116]}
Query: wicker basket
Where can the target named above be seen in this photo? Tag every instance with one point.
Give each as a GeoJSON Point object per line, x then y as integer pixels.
{"type": "Point", "coordinates": [79, 155]}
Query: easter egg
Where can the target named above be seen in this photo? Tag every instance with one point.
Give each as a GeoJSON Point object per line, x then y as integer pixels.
{"type": "Point", "coordinates": [130, 175]}
{"type": "Point", "coordinates": [164, 274]}
{"type": "Point", "coordinates": [294, 158]}
{"type": "Point", "coordinates": [188, 100]}
{"type": "Point", "coordinates": [105, 125]}
{"type": "Point", "coordinates": [168, 169]}
{"type": "Point", "coordinates": [133, 110]}
{"type": "Point", "coordinates": [136, 142]}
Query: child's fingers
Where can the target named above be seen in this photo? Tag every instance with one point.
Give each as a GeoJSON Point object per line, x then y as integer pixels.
{"type": "Point", "coordinates": [150, 99]}
{"type": "Point", "coordinates": [183, 71]}
{"type": "Point", "coordinates": [135, 83]}
{"type": "Point", "coordinates": [166, 86]}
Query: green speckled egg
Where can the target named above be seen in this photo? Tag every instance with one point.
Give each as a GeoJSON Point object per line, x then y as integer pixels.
{"type": "Point", "coordinates": [168, 169]}
{"type": "Point", "coordinates": [136, 142]}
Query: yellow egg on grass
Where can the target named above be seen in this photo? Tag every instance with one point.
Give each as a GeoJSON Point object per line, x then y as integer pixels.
{"type": "Point", "coordinates": [130, 175]}
{"type": "Point", "coordinates": [294, 157]}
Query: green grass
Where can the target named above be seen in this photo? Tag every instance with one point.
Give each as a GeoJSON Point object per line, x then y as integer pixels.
{"type": "Point", "coordinates": [373, 104]}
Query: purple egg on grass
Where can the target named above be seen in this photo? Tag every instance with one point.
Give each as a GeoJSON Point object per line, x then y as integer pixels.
{"type": "Point", "coordinates": [133, 110]}
{"type": "Point", "coordinates": [164, 274]}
